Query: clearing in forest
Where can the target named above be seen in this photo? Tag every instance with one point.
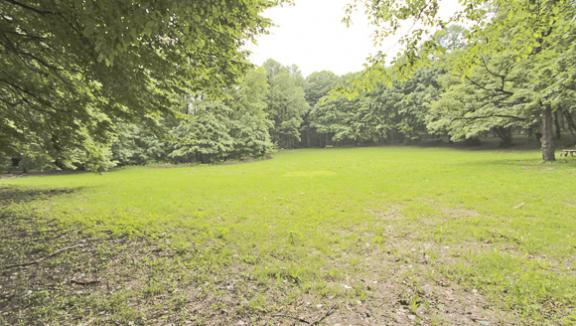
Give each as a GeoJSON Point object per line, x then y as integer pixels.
{"type": "Point", "coordinates": [365, 236]}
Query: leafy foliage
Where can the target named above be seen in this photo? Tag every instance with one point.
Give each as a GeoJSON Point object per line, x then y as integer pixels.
{"type": "Point", "coordinates": [203, 136]}
{"type": "Point", "coordinates": [319, 84]}
{"type": "Point", "coordinates": [207, 130]}
{"type": "Point", "coordinates": [286, 103]}
{"type": "Point", "coordinates": [493, 98]}
{"type": "Point", "coordinates": [90, 86]}
{"type": "Point", "coordinates": [71, 69]}
{"type": "Point", "coordinates": [526, 38]}
{"type": "Point", "coordinates": [386, 114]}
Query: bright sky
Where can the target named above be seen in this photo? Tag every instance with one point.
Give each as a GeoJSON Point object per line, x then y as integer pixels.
{"type": "Point", "coordinates": [311, 35]}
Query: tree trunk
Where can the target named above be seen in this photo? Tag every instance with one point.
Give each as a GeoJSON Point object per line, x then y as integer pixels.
{"type": "Point", "coordinates": [557, 125]}
{"type": "Point", "coordinates": [15, 161]}
{"type": "Point", "coordinates": [60, 165]}
{"type": "Point", "coordinates": [570, 121]}
{"type": "Point", "coordinates": [548, 135]}
{"type": "Point", "coordinates": [505, 135]}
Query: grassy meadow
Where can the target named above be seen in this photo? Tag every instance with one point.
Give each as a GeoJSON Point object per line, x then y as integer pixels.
{"type": "Point", "coordinates": [363, 236]}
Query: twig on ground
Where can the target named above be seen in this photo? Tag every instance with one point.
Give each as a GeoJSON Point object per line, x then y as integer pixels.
{"type": "Point", "coordinates": [81, 282]}
{"type": "Point", "coordinates": [55, 253]}
{"type": "Point", "coordinates": [304, 321]}
{"type": "Point", "coordinates": [326, 315]}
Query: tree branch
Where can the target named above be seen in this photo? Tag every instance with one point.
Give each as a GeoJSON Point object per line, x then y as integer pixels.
{"type": "Point", "coordinates": [41, 259]}
{"type": "Point", "coordinates": [30, 8]}
{"type": "Point", "coordinates": [507, 116]}
{"type": "Point", "coordinates": [18, 89]}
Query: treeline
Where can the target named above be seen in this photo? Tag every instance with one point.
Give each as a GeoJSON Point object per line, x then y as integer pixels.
{"type": "Point", "coordinates": [87, 85]}
{"type": "Point", "coordinates": [232, 124]}
{"type": "Point", "coordinates": [504, 77]}
{"type": "Point", "coordinates": [501, 95]}
{"type": "Point", "coordinates": [262, 111]}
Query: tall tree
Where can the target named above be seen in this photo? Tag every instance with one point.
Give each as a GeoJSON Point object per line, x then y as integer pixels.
{"type": "Point", "coordinates": [319, 84]}
{"type": "Point", "coordinates": [532, 30]}
{"type": "Point", "coordinates": [286, 103]}
{"type": "Point", "coordinates": [250, 124]}
{"type": "Point", "coordinates": [386, 113]}
{"type": "Point", "coordinates": [495, 97]}
{"type": "Point", "coordinates": [229, 125]}
{"type": "Point", "coordinates": [334, 118]}
{"type": "Point", "coordinates": [71, 69]}
{"type": "Point", "coordinates": [316, 86]}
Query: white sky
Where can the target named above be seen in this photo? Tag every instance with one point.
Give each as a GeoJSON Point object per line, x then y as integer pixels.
{"type": "Point", "coordinates": [311, 35]}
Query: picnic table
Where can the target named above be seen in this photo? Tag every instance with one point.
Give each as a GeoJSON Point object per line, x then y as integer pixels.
{"type": "Point", "coordinates": [568, 152]}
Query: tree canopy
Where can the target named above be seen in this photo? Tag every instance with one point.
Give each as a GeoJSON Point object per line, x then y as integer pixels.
{"type": "Point", "coordinates": [88, 85]}
{"type": "Point", "coordinates": [535, 35]}
{"type": "Point", "coordinates": [71, 69]}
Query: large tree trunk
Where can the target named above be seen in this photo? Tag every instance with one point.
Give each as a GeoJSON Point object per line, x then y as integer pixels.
{"type": "Point", "coordinates": [548, 135]}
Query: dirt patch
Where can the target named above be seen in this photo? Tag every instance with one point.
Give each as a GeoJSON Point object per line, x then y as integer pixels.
{"type": "Point", "coordinates": [406, 288]}
{"type": "Point", "coordinates": [391, 212]}
{"type": "Point", "coordinates": [571, 204]}
{"type": "Point", "coordinates": [121, 280]}
{"type": "Point", "coordinates": [459, 212]}
{"type": "Point", "coordinates": [394, 303]}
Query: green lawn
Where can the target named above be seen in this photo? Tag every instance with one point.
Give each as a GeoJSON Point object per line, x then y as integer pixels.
{"type": "Point", "coordinates": [361, 236]}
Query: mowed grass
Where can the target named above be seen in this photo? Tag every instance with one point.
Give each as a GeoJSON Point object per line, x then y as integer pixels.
{"type": "Point", "coordinates": [319, 223]}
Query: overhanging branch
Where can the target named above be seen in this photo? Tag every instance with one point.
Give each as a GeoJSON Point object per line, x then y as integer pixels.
{"type": "Point", "coordinates": [30, 8]}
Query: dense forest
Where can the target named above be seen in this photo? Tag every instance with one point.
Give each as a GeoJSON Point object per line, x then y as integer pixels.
{"type": "Point", "coordinates": [505, 76]}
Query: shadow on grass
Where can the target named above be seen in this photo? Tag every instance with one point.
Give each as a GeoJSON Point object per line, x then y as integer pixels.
{"type": "Point", "coordinates": [60, 274]}
{"type": "Point", "coordinates": [525, 163]}
{"type": "Point", "coordinates": [12, 195]}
